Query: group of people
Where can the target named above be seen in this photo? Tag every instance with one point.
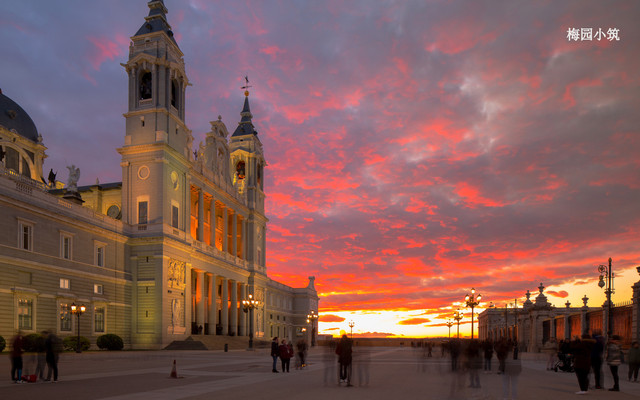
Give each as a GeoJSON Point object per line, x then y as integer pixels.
{"type": "Point", "coordinates": [285, 352]}
{"type": "Point", "coordinates": [587, 354]}
{"type": "Point", "coordinates": [48, 349]}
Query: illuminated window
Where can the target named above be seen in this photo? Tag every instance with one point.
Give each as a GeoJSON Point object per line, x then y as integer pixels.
{"type": "Point", "coordinates": [98, 288]}
{"type": "Point", "coordinates": [25, 314]}
{"type": "Point", "coordinates": [98, 319]}
{"type": "Point", "coordinates": [64, 283]}
{"type": "Point", "coordinates": [65, 318]}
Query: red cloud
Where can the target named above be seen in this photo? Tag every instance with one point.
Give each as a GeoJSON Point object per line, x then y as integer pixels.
{"type": "Point", "coordinates": [105, 49]}
{"type": "Point", "coordinates": [330, 318]}
{"type": "Point", "coordinates": [561, 294]}
{"type": "Point", "coordinates": [414, 321]}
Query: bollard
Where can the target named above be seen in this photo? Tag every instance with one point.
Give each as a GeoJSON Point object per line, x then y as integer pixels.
{"type": "Point", "coordinates": [226, 347]}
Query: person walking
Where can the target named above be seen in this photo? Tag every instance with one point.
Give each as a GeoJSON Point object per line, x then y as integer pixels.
{"type": "Point", "coordinates": [285, 352]}
{"type": "Point", "coordinates": [51, 346]}
{"type": "Point", "coordinates": [596, 359]}
{"type": "Point", "coordinates": [551, 349]}
{"type": "Point", "coordinates": [488, 355]}
{"type": "Point", "coordinates": [344, 351]}
{"type": "Point", "coordinates": [614, 359]}
{"type": "Point", "coordinates": [510, 375]}
{"type": "Point", "coordinates": [581, 350]}
{"type": "Point", "coordinates": [301, 346]}
{"type": "Point", "coordinates": [634, 361]}
{"type": "Point", "coordinates": [275, 350]}
{"type": "Point", "coordinates": [16, 358]}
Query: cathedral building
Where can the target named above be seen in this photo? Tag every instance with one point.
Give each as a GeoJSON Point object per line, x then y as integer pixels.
{"type": "Point", "coordinates": [169, 252]}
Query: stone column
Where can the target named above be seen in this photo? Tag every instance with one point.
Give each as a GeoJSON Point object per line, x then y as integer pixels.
{"type": "Point", "coordinates": [201, 304]}
{"type": "Point", "coordinates": [242, 319]}
{"type": "Point", "coordinates": [567, 326]}
{"type": "Point", "coordinates": [584, 326]}
{"type": "Point", "coordinates": [225, 229]}
{"type": "Point", "coordinates": [234, 234]}
{"type": "Point", "coordinates": [212, 304]}
{"type": "Point", "coordinates": [233, 324]}
{"type": "Point", "coordinates": [244, 238]}
{"type": "Point", "coordinates": [225, 306]}
{"type": "Point", "coordinates": [213, 222]}
{"type": "Point", "coordinates": [200, 232]}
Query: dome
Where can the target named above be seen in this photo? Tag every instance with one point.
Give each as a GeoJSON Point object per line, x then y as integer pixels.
{"type": "Point", "coordinates": [12, 116]}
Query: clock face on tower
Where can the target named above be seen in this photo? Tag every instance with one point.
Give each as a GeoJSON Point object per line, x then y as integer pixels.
{"type": "Point", "coordinates": [114, 212]}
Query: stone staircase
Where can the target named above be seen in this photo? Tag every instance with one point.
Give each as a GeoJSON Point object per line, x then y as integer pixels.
{"type": "Point", "coordinates": [215, 342]}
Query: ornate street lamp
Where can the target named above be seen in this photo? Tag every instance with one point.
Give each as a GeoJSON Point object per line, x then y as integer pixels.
{"type": "Point", "coordinates": [607, 273]}
{"type": "Point", "coordinates": [312, 317]}
{"type": "Point", "coordinates": [248, 305]}
{"type": "Point", "coordinates": [472, 300]}
{"type": "Point", "coordinates": [449, 325]}
{"type": "Point", "coordinates": [78, 310]}
{"type": "Point", "coordinates": [458, 316]}
{"type": "Point", "coordinates": [351, 325]}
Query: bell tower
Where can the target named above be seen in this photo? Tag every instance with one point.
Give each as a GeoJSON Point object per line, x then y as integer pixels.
{"type": "Point", "coordinates": [157, 83]}
{"type": "Point", "coordinates": [247, 163]}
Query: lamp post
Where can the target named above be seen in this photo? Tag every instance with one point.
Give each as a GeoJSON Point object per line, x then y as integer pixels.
{"type": "Point", "coordinates": [351, 325]}
{"type": "Point", "coordinates": [248, 305]}
{"type": "Point", "coordinates": [312, 317]}
{"type": "Point", "coordinates": [78, 310]}
{"type": "Point", "coordinates": [449, 325]}
{"type": "Point", "coordinates": [472, 300]}
{"type": "Point", "coordinates": [607, 273]}
{"type": "Point", "coordinates": [458, 316]}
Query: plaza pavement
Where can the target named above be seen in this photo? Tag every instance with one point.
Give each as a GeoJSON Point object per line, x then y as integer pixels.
{"type": "Point", "coordinates": [379, 373]}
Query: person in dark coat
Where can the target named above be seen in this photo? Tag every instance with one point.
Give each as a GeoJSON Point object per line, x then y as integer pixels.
{"type": "Point", "coordinates": [16, 358]}
{"type": "Point", "coordinates": [344, 350]}
{"type": "Point", "coordinates": [614, 359]}
{"type": "Point", "coordinates": [52, 347]}
{"type": "Point", "coordinates": [596, 359]}
{"type": "Point", "coordinates": [488, 354]}
{"type": "Point", "coordinates": [285, 352]}
{"type": "Point", "coordinates": [274, 353]}
{"type": "Point", "coordinates": [581, 350]}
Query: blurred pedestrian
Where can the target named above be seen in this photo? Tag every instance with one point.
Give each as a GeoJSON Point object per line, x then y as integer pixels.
{"type": "Point", "coordinates": [285, 352]}
{"type": "Point", "coordinates": [474, 362]}
{"type": "Point", "coordinates": [487, 347]}
{"type": "Point", "coordinates": [302, 353]}
{"type": "Point", "coordinates": [344, 351]}
{"type": "Point", "coordinates": [634, 361]}
{"type": "Point", "coordinates": [596, 359]}
{"type": "Point", "coordinates": [41, 357]}
{"type": "Point", "coordinates": [274, 353]}
{"type": "Point", "coordinates": [551, 349]}
{"type": "Point", "coordinates": [510, 375]}
{"type": "Point", "coordinates": [614, 359]}
{"type": "Point", "coordinates": [581, 350]}
{"type": "Point", "coordinates": [52, 350]}
{"type": "Point", "coordinates": [17, 344]}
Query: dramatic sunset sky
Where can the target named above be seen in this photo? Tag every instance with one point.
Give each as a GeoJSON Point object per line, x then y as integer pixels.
{"type": "Point", "coordinates": [415, 149]}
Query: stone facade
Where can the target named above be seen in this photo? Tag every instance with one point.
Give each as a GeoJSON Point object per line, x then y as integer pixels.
{"type": "Point", "coordinates": [170, 251]}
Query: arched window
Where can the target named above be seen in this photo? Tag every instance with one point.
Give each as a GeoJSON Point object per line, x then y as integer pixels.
{"type": "Point", "coordinates": [174, 93]}
{"type": "Point", "coordinates": [145, 86]}
{"type": "Point", "coordinates": [240, 169]}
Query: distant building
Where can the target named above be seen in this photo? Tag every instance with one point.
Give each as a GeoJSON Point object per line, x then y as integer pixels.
{"type": "Point", "coordinates": [170, 251]}
{"type": "Point", "coordinates": [533, 323]}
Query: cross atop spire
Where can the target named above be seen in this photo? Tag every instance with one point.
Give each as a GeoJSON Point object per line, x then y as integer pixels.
{"type": "Point", "coordinates": [245, 126]}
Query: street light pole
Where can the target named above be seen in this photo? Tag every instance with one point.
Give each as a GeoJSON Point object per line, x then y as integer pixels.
{"type": "Point", "coordinates": [607, 272]}
{"type": "Point", "coordinates": [312, 317]}
{"type": "Point", "coordinates": [248, 305]}
{"type": "Point", "coordinates": [351, 325]}
{"type": "Point", "coordinates": [458, 316]}
{"type": "Point", "coordinates": [472, 300]}
{"type": "Point", "coordinates": [449, 325]}
{"type": "Point", "coordinates": [78, 311]}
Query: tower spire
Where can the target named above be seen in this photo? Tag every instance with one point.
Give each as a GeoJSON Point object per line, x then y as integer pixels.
{"type": "Point", "coordinates": [245, 126]}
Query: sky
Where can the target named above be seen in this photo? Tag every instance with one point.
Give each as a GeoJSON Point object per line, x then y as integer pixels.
{"type": "Point", "coordinates": [415, 149]}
